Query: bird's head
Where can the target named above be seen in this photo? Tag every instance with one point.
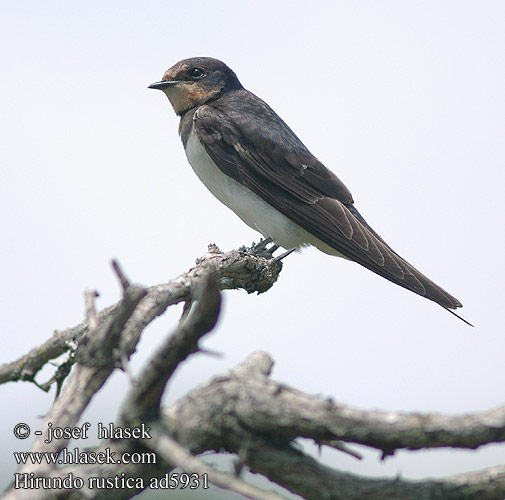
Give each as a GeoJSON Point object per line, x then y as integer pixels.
{"type": "Point", "coordinates": [193, 82]}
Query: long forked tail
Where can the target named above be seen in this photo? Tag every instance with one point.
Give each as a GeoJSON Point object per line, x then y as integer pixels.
{"type": "Point", "coordinates": [459, 317]}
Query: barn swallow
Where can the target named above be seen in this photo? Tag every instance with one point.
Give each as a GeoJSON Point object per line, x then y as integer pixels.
{"type": "Point", "coordinates": [251, 161]}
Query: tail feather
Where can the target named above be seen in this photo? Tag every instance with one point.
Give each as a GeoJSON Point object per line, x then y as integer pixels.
{"type": "Point", "coordinates": [413, 279]}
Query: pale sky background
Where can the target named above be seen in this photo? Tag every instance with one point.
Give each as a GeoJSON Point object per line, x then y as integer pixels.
{"type": "Point", "coordinates": [405, 101]}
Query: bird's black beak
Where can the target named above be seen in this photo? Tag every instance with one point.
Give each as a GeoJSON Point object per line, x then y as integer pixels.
{"type": "Point", "coordinates": [163, 84]}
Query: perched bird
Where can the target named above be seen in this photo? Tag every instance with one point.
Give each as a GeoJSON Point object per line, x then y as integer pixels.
{"type": "Point", "coordinates": [251, 161]}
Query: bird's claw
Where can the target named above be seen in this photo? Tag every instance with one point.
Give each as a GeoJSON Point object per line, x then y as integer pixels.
{"type": "Point", "coordinates": [257, 248]}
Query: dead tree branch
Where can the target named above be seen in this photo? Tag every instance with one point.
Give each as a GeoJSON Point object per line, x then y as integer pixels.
{"type": "Point", "coordinates": [233, 270]}
{"type": "Point", "coordinates": [247, 413]}
{"type": "Point", "coordinates": [244, 412]}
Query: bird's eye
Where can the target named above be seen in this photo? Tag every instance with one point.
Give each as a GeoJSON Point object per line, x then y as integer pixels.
{"type": "Point", "coordinates": [196, 73]}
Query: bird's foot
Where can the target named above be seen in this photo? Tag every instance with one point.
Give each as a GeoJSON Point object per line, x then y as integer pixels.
{"type": "Point", "coordinates": [261, 249]}
{"type": "Point", "coordinates": [261, 246]}
{"type": "Point", "coordinates": [284, 255]}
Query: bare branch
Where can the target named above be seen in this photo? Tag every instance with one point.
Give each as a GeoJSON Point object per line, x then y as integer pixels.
{"type": "Point", "coordinates": [245, 408]}
{"type": "Point", "coordinates": [306, 477]}
{"type": "Point", "coordinates": [125, 282]}
{"type": "Point", "coordinates": [146, 394]}
{"type": "Point", "coordinates": [341, 446]}
{"type": "Point", "coordinates": [281, 411]}
{"type": "Point", "coordinates": [234, 270]}
{"type": "Point", "coordinates": [89, 302]}
{"type": "Point", "coordinates": [243, 412]}
{"type": "Point", "coordinates": [94, 364]}
{"type": "Point", "coordinates": [174, 453]}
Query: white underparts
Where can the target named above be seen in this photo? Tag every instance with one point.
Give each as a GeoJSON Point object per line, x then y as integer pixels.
{"type": "Point", "coordinates": [255, 212]}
